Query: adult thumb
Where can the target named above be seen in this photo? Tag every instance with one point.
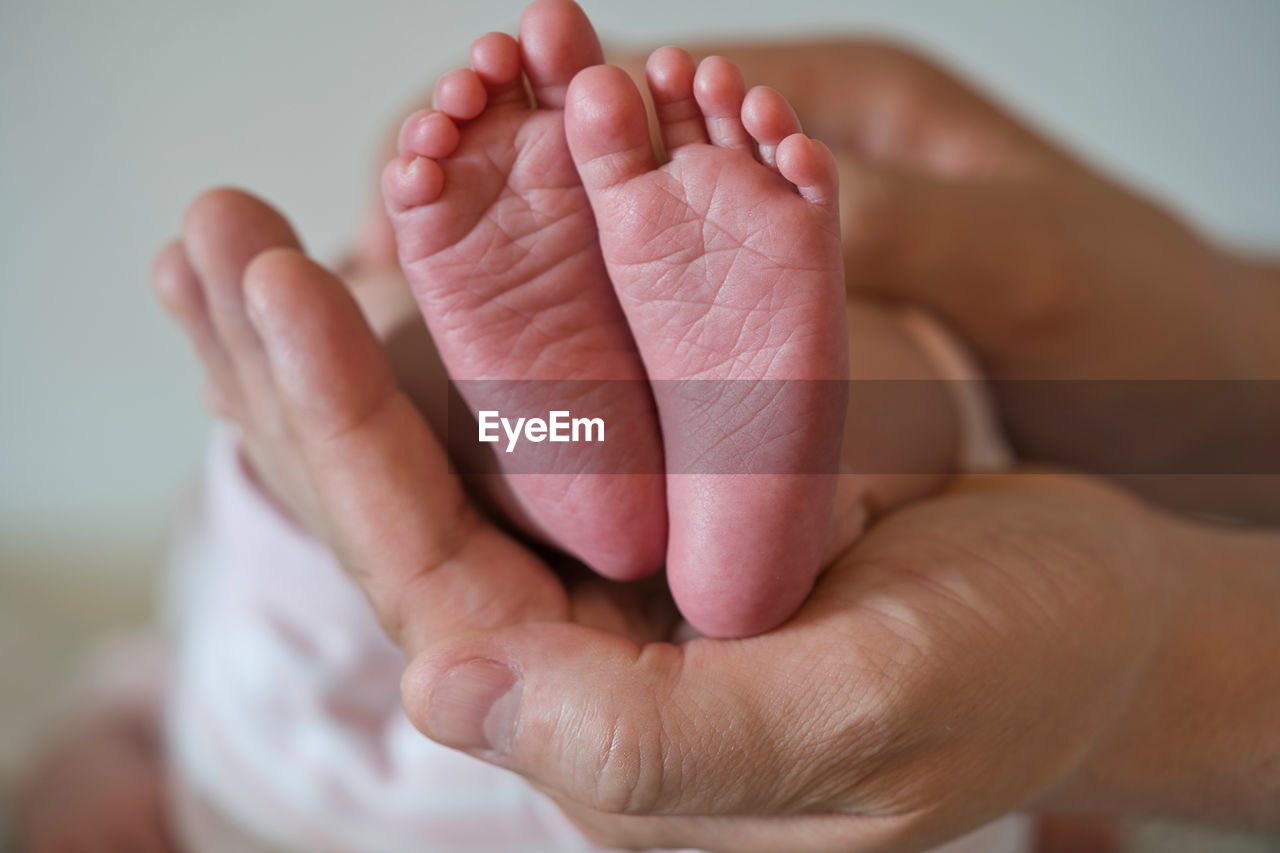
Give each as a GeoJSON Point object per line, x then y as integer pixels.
{"type": "Point", "coordinates": [708, 727]}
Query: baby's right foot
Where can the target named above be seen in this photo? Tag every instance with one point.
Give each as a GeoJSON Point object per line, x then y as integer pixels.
{"type": "Point", "coordinates": [727, 263]}
{"type": "Point", "coordinates": [499, 244]}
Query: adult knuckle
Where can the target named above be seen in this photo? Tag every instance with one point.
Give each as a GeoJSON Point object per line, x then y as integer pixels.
{"type": "Point", "coordinates": [628, 770]}
{"type": "Point", "coordinates": [638, 767]}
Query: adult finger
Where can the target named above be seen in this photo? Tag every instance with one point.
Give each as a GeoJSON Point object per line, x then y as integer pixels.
{"type": "Point", "coordinates": [986, 256]}
{"type": "Point", "coordinates": [429, 563]}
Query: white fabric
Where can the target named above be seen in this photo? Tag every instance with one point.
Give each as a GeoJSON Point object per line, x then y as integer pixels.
{"type": "Point", "coordinates": [284, 719]}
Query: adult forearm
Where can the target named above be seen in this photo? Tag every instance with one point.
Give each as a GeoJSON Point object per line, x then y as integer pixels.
{"type": "Point", "coordinates": [1234, 469]}
{"type": "Point", "coordinates": [1259, 278]}
{"type": "Point", "coordinates": [1201, 737]}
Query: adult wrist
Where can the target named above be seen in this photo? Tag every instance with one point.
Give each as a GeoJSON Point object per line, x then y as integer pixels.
{"type": "Point", "coordinates": [1197, 738]}
{"type": "Point", "coordinates": [1256, 281]}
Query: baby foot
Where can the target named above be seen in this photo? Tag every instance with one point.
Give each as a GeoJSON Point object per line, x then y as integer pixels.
{"type": "Point", "coordinates": [499, 244]}
{"type": "Point", "coordinates": [727, 263]}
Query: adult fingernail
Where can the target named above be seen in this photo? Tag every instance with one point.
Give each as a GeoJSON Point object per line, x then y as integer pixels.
{"type": "Point", "coordinates": [475, 706]}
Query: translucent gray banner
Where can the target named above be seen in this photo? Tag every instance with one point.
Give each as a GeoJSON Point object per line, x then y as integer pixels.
{"type": "Point", "coordinates": [1114, 427]}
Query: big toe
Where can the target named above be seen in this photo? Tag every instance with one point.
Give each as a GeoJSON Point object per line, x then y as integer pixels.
{"type": "Point", "coordinates": [607, 128]}
{"type": "Point", "coordinates": [556, 42]}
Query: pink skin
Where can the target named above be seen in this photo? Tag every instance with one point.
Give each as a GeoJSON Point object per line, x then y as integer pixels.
{"type": "Point", "coordinates": [727, 588]}
{"type": "Point", "coordinates": [727, 263]}
{"type": "Point", "coordinates": [199, 279]}
{"type": "Point", "coordinates": [498, 241]}
{"type": "Point", "coordinates": [235, 249]}
{"type": "Point", "coordinates": [100, 787]}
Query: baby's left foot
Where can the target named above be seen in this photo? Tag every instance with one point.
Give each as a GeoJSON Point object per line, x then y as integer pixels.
{"type": "Point", "coordinates": [727, 263]}
{"type": "Point", "coordinates": [498, 242]}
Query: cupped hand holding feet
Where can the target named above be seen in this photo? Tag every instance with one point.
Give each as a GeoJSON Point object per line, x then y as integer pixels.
{"type": "Point", "coordinates": [1016, 642]}
{"type": "Point", "coordinates": [1021, 641]}
{"type": "Point", "coordinates": [545, 242]}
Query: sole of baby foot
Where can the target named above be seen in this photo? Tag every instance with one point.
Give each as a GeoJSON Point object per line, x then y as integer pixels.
{"type": "Point", "coordinates": [497, 238]}
{"type": "Point", "coordinates": [727, 262]}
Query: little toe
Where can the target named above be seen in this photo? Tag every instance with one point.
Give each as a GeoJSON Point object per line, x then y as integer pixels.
{"type": "Point", "coordinates": [769, 118]}
{"type": "Point", "coordinates": [719, 90]}
{"type": "Point", "coordinates": [495, 57]}
{"type": "Point", "coordinates": [556, 42]}
{"type": "Point", "coordinates": [409, 181]}
{"type": "Point", "coordinates": [607, 128]}
{"type": "Point", "coordinates": [428, 133]}
{"type": "Point", "coordinates": [810, 165]}
{"type": "Point", "coordinates": [670, 73]}
{"type": "Point", "coordinates": [178, 288]}
{"type": "Point", "coordinates": [460, 94]}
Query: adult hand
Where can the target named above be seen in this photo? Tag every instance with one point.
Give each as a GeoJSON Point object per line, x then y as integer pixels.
{"type": "Point", "coordinates": [1049, 267]}
{"type": "Point", "coordinates": [1052, 271]}
{"type": "Point", "coordinates": [971, 655]}
{"type": "Point", "coordinates": [390, 503]}
{"type": "Point", "coordinates": [1021, 640]}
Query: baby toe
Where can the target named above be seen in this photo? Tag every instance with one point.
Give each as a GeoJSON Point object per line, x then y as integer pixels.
{"type": "Point", "coordinates": [460, 94]}
{"type": "Point", "coordinates": [409, 181]}
{"type": "Point", "coordinates": [607, 128]}
{"type": "Point", "coordinates": [495, 57]}
{"type": "Point", "coordinates": [719, 90]}
{"type": "Point", "coordinates": [809, 165]}
{"type": "Point", "coordinates": [769, 118]}
{"type": "Point", "coordinates": [429, 133]}
{"type": "Point", "coordinates": [556, 41]}
{"type": "Point", "coordinates": [670, 72]}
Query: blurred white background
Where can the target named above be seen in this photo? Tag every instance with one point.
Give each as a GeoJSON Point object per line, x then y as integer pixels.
{"type": "Point", "coordinates": [114, 115]}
